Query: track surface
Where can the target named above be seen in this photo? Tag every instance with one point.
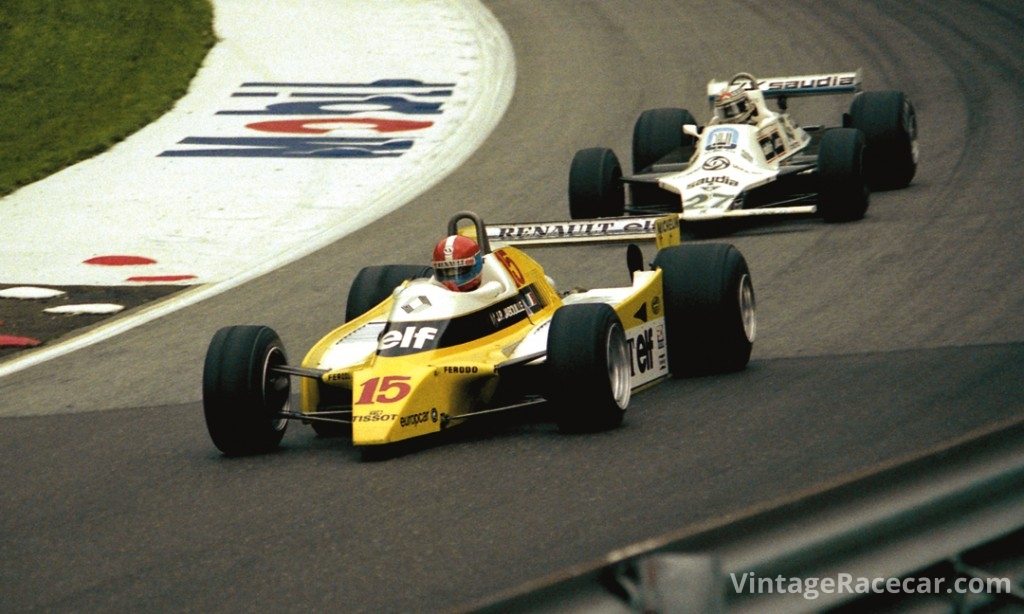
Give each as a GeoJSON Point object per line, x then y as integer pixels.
{"type": "Point", "coordinates": [877, 339]}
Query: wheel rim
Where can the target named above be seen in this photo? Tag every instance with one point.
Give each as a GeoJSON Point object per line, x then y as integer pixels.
{"type": "Point", "coordinates": [911, 127]}
{"type": "Point", "coordinates": [618, 366]}
{"type": "Point", "coordinates": [276, 388]}
{"type": "Point", "coordinates": [747, 308]}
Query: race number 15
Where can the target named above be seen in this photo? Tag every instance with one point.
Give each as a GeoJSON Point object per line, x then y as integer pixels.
{"type": "Point", "coordinates": [387, 389]}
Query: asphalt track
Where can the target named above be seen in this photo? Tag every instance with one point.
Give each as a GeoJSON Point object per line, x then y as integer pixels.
{"type": "Point", "coordinates": [877, 340]}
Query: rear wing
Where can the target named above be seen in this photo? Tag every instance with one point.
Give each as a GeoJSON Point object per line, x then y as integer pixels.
{"type": "Point", "coordinates": [663, 229]}
{"type": "Point", "coordinates": [803, 85]}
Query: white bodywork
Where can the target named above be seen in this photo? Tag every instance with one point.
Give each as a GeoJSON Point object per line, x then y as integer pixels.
{"type": "Point", "coordinates": [731, 159]}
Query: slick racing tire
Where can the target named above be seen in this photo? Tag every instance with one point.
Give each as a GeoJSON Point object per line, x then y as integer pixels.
{"type": "Point", "coordinates": [588, 376]}
{"type": "Point", "coordinates": [843, 192]}
{"type": "Point", "coordinates": [242, 398]}
{"type": "Point", "coordinates": [373, 284]}
{"type": "Point", "coordinates": [595, 186]}
{"type": "Point", "coordinates": [889, 124]}
{"type": "Point", "coordinates": [657, 133]}
{"type": "Point", "coordinates": [709, 308]}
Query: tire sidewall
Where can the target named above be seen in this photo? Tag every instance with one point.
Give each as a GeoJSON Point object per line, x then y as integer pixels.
{"type": "Point", "coordinates": [843, 192]}
{"type": "Point", "coordinates": [595, 184]}
{"type": "Point", "coordinates": [888, 120]}
{"type": "Point", "coordinates": [239, 403]}
{"type": "Point", "coordinates": [578, 377]}
{"type": "Point", "coordinates": [703, 314]}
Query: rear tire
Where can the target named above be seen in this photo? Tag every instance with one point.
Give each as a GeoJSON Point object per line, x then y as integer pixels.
{"type": "Point", "coordinates": [843, 193]}
{"type": "Point", "coordinates": [373, 284]}
{"type": "Point", "coordinates": [595, 184]}
{"type": "Point", "coordinates": [889, 123]}
{"type": "Point", "coordinates": [241, 397]}
{"type": "Point", "coordinates": [709, 308]}
{"type": "Point", "coordinates": [587, 368]}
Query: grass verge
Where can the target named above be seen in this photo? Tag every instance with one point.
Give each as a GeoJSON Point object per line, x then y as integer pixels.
{"type": "Point", "coordinates": [81, 75]}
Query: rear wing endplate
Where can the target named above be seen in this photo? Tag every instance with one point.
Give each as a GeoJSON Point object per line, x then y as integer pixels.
{"type": "Point", "coordinates": [802, 85]}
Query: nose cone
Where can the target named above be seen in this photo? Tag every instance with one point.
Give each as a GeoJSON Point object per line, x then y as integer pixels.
{"type": "Point", "coordinates": [393, 401]}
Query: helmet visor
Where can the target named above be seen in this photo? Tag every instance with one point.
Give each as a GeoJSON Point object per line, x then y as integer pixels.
{"type": "Point", "coordinates": [458, 271]}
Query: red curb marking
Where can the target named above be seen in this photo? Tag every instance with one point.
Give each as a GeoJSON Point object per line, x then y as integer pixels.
{"type": "Point", "coordinates": [13, 341]}
{"type": "Point", "coordinates": [308, 126]}
{"type": "Point", "coordinates": [119, 260]}
{"type": "Point", "coordinates": [151, 278]}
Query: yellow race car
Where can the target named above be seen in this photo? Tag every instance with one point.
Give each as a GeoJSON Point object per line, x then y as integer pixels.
{"type": "Point", "coordinates": [415, 358]}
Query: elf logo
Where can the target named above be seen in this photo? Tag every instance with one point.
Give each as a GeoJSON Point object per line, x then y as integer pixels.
{"type": "Point", "coordinates": [641, 350]}
{"type": "Point", "coordinates": [410, 337]}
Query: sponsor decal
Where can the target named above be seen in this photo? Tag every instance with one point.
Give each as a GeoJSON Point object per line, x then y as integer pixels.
{"type": "Point", "coordinates": [401, 338]}
{"type": "Point", "coordinates": [825, 81]}
{"type": "Point", "coordinates": [323, 120]}
{"type": "Point", "coordinates": [460, 369]}
{"type": "Point", "coordinates": [711, 182]}
{"type": "Point", "coordinates": [656, 305]}
{"type": "Point", "coordinates": [375, 415]}
{"type": "Point", "coordinates": [414, 419]}
{"type": "Point", "coordinates": [339, 377]}
{"type": "Point", "coordinates": [413, 337]}
{"type": "Point", "coordinates": [417, 304]}
{"type": "Point", "coordinates": [641, 348]}
{"type": "Point", "coordinates": [772, 145]}
{"type": "Point", "coordinates": [648, 359]}
{"type": "Point", "coordinates": [716, 163]}
{"type": "Point", "coordinates": [568, 230]}
{"type": "Point", "coordinates": [721, 138]}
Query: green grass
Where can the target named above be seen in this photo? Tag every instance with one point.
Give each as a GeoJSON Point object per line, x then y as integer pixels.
{"type": "Point", "coordinates": [77, 76]}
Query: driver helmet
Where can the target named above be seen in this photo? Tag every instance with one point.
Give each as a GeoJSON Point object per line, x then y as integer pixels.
{"type": "Point", "coordinates": [458, 263]}
{"type": "Point", "coordinates": [734, 106]}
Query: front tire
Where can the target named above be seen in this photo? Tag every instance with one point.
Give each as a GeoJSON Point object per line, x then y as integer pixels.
{"type": "Point", "coordinates": [595, 185]}
{"type": "Point", "coordinates": [242, 397]}
{"type": "Point", "coordinates": [843, 193]}
{"type": "Point", "coordinates": [587, 368]}
{"type": "Point", "coordinates": [709, 308]}
{"type": "Point", "coordinates": [889, 123]}
{"type": "Point", "coordinates": [656, 134]}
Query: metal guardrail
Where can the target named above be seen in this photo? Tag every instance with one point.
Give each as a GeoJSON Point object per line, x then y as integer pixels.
{"type": "Point", "coordinates": [952, 513]}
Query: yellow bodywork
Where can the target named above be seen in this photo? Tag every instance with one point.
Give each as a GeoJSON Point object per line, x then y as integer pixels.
{"type": "Point", "coordinates": [398, 397]}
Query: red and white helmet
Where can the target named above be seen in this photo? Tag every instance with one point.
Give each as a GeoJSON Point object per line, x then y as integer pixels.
{"type": "Point", "coordinates": [458, 263]}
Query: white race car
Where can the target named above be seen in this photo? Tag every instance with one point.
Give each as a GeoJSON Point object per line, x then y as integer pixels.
{"type": "Point", "coordinates": [750, 160]}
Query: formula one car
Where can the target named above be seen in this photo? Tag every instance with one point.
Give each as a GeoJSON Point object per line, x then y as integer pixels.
{"type": "Point", "coordinates": [750, 160]}
{"type": "Point", "coordinates": [414, 358]}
